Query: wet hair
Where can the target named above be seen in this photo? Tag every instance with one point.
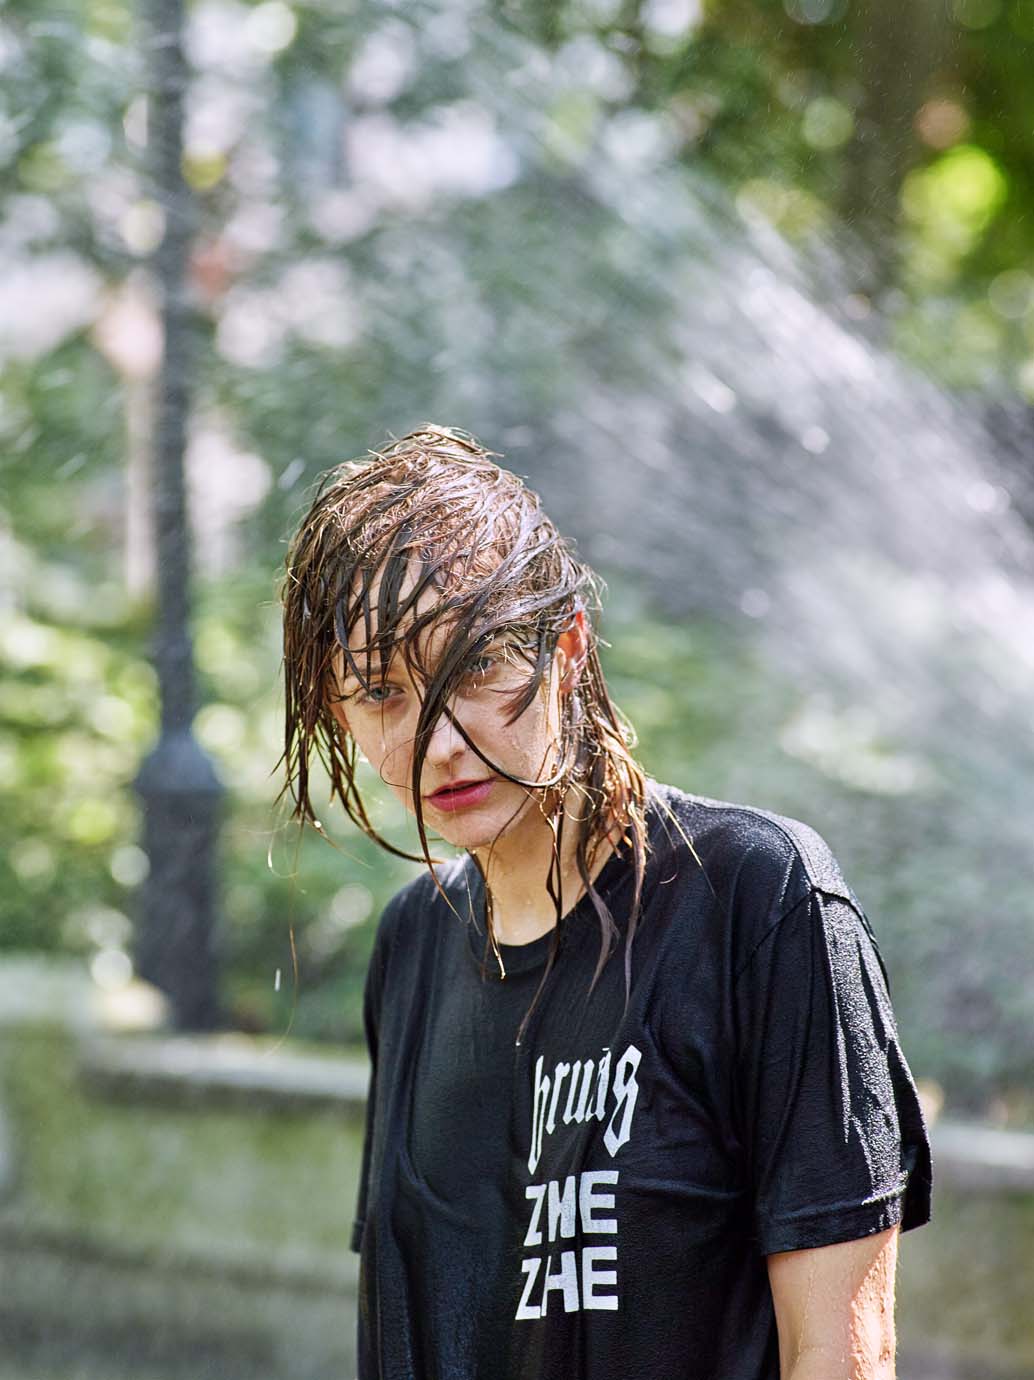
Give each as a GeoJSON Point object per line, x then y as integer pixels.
{"type": "Point", "coordinates": [433, 512]}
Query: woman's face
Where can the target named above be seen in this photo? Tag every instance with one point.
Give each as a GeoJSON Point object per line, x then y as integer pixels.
{"type": "Point", "coordinates": [463, 799]}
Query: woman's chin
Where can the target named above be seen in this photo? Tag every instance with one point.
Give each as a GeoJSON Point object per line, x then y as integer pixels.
{"type": "Point", "coordinates": [472, 838]}
{"type": "Point", "coordinates": [474, 833]}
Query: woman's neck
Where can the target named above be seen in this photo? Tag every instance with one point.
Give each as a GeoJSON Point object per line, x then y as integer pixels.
{"type": "Point", "coordinates": [516, 867]}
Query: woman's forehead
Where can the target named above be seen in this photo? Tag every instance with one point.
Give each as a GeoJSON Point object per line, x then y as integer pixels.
{"type": "Point", "coordinates": [427, 609]}
{"type": "Point", "coordinates": [366, 596]}
{"type": "Point", "coordinates": [424, 645]}
{"type": "Point", "coordinates": [427, 636]}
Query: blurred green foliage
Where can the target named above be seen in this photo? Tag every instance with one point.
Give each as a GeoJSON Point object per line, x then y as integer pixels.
{"type": "Point", "coordinates": [909, 126]}
{"type": "Point", "coordinates": [905, 132]}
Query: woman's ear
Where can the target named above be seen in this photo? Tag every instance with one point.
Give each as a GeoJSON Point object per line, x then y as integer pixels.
{"type": "Point", "coordinates": [573, 644]}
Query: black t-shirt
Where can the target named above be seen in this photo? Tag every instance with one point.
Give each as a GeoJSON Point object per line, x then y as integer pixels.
{"type": "Point", "coordinates": [597, 1204]}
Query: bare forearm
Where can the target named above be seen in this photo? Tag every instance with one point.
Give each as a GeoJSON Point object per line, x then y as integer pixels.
{"type": "Point", "coordinates": [834, 1309]}
{"type": "Point", "coordinates": [821, 1365]}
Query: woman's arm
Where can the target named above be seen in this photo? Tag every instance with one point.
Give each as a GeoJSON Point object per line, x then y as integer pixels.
{"type": "Point", "coordinates": [834, 1308]}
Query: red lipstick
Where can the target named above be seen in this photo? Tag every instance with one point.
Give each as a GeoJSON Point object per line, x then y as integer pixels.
{"type": "Point", "coordinates": [458, 795]}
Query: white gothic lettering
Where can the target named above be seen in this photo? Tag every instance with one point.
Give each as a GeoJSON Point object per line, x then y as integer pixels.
{"type": "Point", "coordinates": [579, 1092]}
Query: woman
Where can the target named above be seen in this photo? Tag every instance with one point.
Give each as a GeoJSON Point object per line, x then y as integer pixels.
{"type": "Point", "coordinates": [637, 1107]}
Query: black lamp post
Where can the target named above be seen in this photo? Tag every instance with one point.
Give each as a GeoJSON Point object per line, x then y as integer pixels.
{"type": "Point", "coordinates": [177, 782]}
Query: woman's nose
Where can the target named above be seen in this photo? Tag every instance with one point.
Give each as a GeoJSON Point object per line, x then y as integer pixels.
{"type": "Point", "coordinates": [445, 742]}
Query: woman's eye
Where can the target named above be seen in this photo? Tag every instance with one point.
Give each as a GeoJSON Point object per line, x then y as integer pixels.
{"type": "Point", "coordinates": [477, 671]}
{"type": "Point", "coordinates": [480, 666]}
{"type": "Point", "coordinates": [377, 694]}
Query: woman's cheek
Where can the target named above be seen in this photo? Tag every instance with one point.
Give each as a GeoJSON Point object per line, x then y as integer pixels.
{"type": "Point", "coordinates": [395, 768]}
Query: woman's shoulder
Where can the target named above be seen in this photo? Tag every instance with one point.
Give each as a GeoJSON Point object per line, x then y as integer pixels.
{"type": "Point", "coordinates": [747, 853]}
{"type": "Point", "coordinates": [451, 887]}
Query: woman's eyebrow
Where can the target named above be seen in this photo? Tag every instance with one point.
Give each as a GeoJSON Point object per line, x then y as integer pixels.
{"type": "Point", "coordinates": [372, 666]}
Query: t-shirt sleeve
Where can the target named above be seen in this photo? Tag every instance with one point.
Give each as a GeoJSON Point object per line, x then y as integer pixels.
{"type": "Point", "coordinates": [371, 1018]}
{"type": "Point", "coordinates": [834, 1131]}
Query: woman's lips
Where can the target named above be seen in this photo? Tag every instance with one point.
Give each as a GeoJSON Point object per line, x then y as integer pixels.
{"type": "Point", "coordinates": [460, 796]}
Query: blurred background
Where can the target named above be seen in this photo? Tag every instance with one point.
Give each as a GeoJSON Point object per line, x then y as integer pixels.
{"type": "Point", "coordinates": [747, 292]}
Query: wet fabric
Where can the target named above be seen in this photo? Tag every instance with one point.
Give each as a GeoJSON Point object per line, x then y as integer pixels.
{"type": "Point", "coordinates": [598, 1203]}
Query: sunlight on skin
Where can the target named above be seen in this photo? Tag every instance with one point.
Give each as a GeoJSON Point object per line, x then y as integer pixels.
{"type": "Point", "coordinates": [834, 1309]}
